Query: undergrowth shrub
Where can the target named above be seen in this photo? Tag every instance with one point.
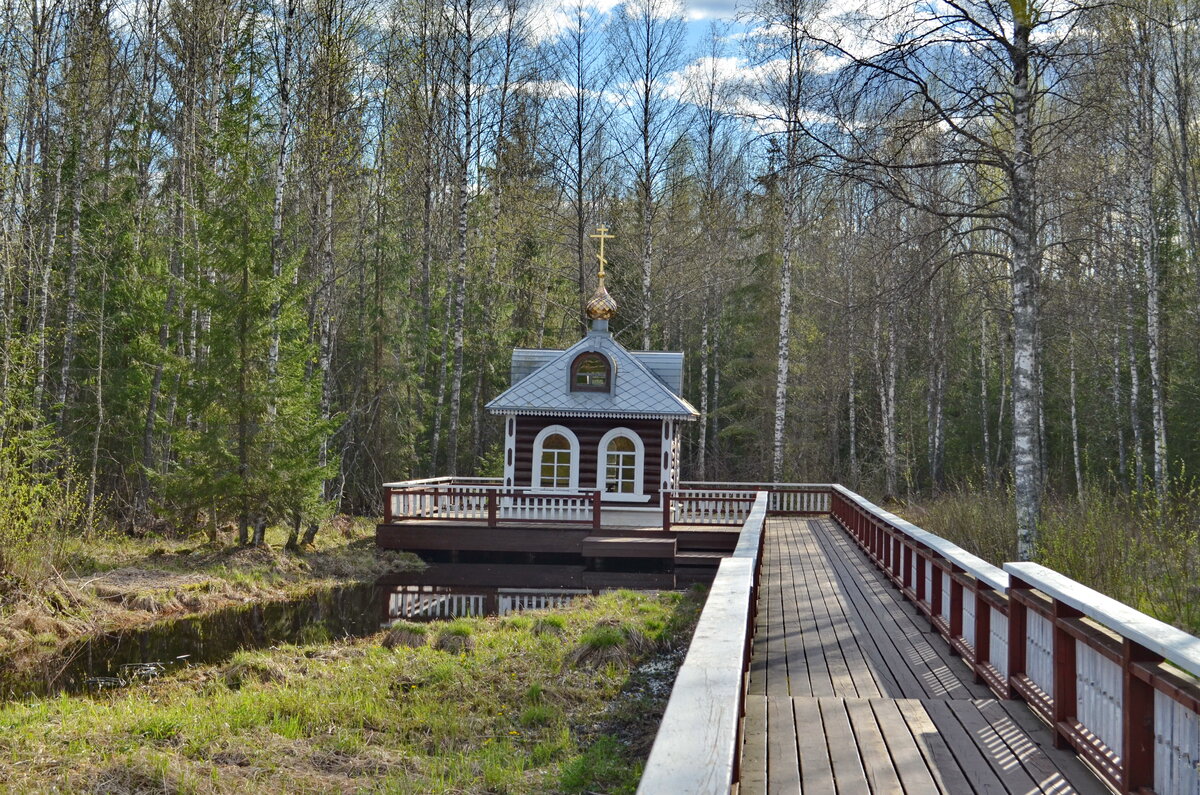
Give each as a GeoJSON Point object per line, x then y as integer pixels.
{"type": "Point", "coordinates": [41, 500]}
{"type": "Point", "coordinates": [1128, 546]}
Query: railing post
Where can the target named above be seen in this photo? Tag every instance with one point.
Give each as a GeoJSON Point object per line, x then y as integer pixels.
{"type": "Point", "coordinates": [491, 508]}
{"type": "Point", "coordinates": [983, 630]}
{"type": "Point", "coordinates": [596, 496]}
{"type": "Point", "coordinates": [920, 573]}
{"type": "Point", "coordinates": [387, 506]}
{"type": "Point", "coordinates": [935, 598]}
{"type": "Point", "coordinates": [1137, 719]}
{"type": "Point", "coordinates": [1017, 629]}
{"type": "Point", "coordinates": [956, 605]}
{"type": "Point", "coordinates": [666, 506]}
{"type": "Point", "coordinates": [1064, 674]}
{"type": "Point", "coordinates": [897, 557]}
{"type": "Point", "coordinates": [906, 562]}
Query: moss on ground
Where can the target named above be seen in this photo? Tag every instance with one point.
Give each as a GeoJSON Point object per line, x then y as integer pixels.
{"type": "Point", "coordinates": [512, 715]}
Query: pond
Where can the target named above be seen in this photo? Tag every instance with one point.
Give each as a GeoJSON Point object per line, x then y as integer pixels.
{"type": "Point", "coordinates": [103, 662]}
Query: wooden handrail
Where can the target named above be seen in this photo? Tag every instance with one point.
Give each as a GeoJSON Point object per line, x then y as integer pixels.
{"type": "Point", "coordinates": [715, 507]}
{"type": "Point", "coordinates": [1096, 669]}
{"type": "Point", "coordinates": [697, 746]}
{"type": "Point", "coordinates": [487, 503]}
{"type": "Point", "coordinates": [1075, 656]}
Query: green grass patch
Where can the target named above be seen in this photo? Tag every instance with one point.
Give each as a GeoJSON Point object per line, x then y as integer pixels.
{"type": "Point", "coordinates": [603, 767]}
{"type": "Point", "coordinates": [507, 717]}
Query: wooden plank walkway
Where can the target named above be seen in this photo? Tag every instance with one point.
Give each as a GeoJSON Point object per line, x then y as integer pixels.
{"type": "Point", "coordinates": [851, 692]}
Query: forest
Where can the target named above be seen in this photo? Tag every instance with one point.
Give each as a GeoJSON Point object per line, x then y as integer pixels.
{"type": "Point", "coordinates": [259, 256]}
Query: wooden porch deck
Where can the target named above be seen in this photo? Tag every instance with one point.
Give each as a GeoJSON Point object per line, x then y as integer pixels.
{"type": "Point", "coordinates": [850, 691]}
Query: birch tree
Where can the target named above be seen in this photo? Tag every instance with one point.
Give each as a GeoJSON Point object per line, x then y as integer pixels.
{"type": "Point", "coordinates": [649, 39]}
{"type": "Point", "coordinates": [969, 71]}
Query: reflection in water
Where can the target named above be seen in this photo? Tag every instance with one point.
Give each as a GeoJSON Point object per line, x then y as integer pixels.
{"type": "Point", "coordinates": [440, 591]}
{"type": "Point", "coordinates": [429, 602]}
{"type": "Point", "coordinates": [480, 589]}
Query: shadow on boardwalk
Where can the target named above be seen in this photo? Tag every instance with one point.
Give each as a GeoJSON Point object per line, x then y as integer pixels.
{"type": "Point", "coordinates": [851, 692]}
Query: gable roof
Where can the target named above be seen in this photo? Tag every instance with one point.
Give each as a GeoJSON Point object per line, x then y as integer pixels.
{"type": "Point", "coordinates": [667, 366]}
{"type": "Point", "coordinates": [643, 383]}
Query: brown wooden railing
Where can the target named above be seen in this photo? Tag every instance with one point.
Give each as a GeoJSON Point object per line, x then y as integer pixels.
{"type": "Point", "coordinates": [465, 502]}
{"type": "Point", "coordinates": [1119, 687]}
{"type": "Point", "coordinates": [696, 748]}
{"type": "Point", "coordinates": [783, 499]}
{"type": "Point", "coordinates": [708, 507]}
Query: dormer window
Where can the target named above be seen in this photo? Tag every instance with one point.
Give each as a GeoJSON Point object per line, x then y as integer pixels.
{"type": "Point", "coordinates": [591, 372]}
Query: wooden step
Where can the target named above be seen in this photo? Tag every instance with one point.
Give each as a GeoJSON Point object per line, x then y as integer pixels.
{"type": "Point", "coordinates": [694, 558]}
{"type": "Point", "coordinates": [707, 540]}
{"type": "Point", "coordinates": [618, 547]}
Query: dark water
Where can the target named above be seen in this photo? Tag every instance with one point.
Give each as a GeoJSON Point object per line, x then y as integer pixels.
{"type": "Point", "coordinates": [104, 662]}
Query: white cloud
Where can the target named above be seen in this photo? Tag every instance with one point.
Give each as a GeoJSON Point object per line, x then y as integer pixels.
{"type": "Point", "coordinates": [549, 19]}
{"type": "Point", "coordinates": [695, 10]}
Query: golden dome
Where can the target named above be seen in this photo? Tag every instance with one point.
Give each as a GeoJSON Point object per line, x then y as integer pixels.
{"type": "Point", "coordinates": [601, 306]}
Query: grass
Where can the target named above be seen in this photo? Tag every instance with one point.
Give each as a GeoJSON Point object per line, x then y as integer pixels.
{"type": "Point", "coordinates": [513, 715]}
{"type": "Point", "coordinates": [1125, 546]}
{"type": "Point", "coordinates": [113, 581]}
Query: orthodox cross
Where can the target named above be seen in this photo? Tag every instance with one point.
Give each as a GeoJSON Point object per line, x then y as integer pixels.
{"type": "Point", "coordinates": [602, 235]}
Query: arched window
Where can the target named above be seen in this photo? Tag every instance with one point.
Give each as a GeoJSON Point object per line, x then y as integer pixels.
{"type": "Point", "coordinates": [591, 372]}
{"type": "Point", "coordinates": [620, 466]}
{"type": "Point", "coordinates": [555, 459]}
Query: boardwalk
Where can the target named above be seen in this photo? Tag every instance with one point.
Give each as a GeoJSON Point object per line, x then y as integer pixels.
{"type": "Point", "coordinates": [850, 692]}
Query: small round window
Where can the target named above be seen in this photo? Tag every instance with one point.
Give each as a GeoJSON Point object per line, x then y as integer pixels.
{"type": "Point", "coordinates": [591, 372]}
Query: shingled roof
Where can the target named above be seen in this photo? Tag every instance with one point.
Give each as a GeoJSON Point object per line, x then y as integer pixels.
{"type": "Point", "coordinates": [640, 389]}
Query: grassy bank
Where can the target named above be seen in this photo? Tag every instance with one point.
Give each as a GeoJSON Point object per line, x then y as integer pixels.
{"type": "Point", "coordinates": [1125, 546]}
{"type": "Point", "coordinates": [564, 701]}
{"type": "Point", "coordinates": [113, 581]}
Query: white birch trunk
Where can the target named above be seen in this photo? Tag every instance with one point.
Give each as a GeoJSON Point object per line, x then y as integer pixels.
{"type": "Point", "coordinates": [281, 174]}
{"type": "Point", "coordinates": [44, 292]}
{"type": "Point", "coordinates": [69, 332]}
{"type": "Point", "coordinates": [460, 277]}
{"type": "Point", "coordinates": [885, 377]}
{"type": "Point", "coordinates": [1075, 418]}
{"type": "Point", "coordinates": [1135, 411]}
{"type": "Point", "coordinates": [1027, 483]}
{"type": "Point", "coordinates": [99, 429]}
{"type": "Point", "coordinates": [852, 420]}
{"type": "Point", "coordinates": [782, 365]}
{"type": "Point", "coordinates": [983, 396]}
{"type": "Point", "coordinates": [1147, 92]}
{"type": "Point", "coordinates": [647, 246]}
{"type": "Point", "coordinates": [702, 442]}
{"type": "Point", "coordinates": [1117, 408]}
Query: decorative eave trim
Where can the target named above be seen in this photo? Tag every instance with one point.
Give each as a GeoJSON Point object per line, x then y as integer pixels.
{"type": "Point", "coordinates": [636, 415]}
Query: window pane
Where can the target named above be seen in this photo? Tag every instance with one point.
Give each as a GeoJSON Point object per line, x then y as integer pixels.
{"type": "Point", "coordinates": [556, 441]}
{"type": "Point", "coordinates": [621, 444]}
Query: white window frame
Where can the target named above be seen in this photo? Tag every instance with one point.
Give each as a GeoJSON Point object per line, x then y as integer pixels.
{"type": "Point", "coordinates": [639, 467]}
{"type": "Point", "coordinates": [535, 478]}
